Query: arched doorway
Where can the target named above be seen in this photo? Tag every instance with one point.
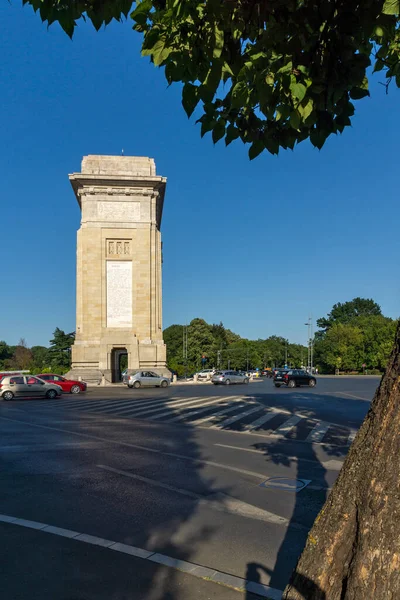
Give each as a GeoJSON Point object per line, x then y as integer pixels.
{"type": "Point", "coordinates": [119, 362]}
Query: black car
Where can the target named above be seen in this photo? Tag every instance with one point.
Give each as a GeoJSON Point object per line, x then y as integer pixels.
{"type": "Point", "coordinates": [294, 378]}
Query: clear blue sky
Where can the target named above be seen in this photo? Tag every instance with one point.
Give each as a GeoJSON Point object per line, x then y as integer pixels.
{"type": "Point", "coordinates": [258, 245]}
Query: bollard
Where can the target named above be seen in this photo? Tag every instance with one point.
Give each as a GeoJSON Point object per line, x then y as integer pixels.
{"type": "Point", "coordinates": [174, 379]}
{"type": "Point", "coordinates": [103, 379]}
{"type": "Point", "coordinates": [195, 377]}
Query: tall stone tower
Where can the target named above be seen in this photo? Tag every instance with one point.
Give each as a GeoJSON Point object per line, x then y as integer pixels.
{"type": "Point", "coordinates": [119, 255]}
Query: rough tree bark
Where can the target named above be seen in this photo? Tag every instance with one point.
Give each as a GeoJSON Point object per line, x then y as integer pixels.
{"type": "Point", "coordinates": [353, 549]}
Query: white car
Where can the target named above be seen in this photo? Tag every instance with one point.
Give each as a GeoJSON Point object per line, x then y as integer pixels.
{"type": "Point", "coordinates": [205, 374]}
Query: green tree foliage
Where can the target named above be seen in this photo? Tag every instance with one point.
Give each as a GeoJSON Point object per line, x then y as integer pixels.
{"type": "Point", "coordinates": [21, 357]}
{"type": "Point", "coordinates": [60, 350]}
{"type": "Point", "coordinates": [6, 353]}
{"type": "Point", "coordinates": [40, 359]}
{"type": "Point", "coordinates": [269, 73]}
{"type": "Point", "coordinates": [354, 334]}
{"type": "Point", "coordinates": [223, 348]}
{"type": "Point", "coordinates": [348, 311]}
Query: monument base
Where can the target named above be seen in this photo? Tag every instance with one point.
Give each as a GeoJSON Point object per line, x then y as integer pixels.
{"type": "Point", "coordinates": [93, 362]}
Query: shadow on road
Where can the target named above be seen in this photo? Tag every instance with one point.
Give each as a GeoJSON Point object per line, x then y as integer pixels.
{"type": "Point", "coordinates": [55, 479]}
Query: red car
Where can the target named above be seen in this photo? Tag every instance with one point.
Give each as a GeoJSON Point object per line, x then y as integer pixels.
{"type": "Point", "coordinates": [67, 385]}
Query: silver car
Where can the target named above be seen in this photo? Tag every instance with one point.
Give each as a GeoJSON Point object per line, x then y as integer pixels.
{"type": "Point", "coordinates": [228, 377]}
{"type": "Point", "coordinates": [28, 386]}
{"type": "Point", "coordinates": [137, 379]}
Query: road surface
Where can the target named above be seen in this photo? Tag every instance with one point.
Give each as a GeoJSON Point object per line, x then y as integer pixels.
{"type": "Point", "coordinates": [209, 489]}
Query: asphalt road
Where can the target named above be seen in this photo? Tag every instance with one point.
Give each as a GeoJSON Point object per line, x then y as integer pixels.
{"type": "Point", "coordinates": [141, 469]}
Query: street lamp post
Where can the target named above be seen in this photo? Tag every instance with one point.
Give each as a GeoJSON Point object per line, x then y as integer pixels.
{"type": "Point", "coordinates": [310, 351]}
{"type": "Point", "coordinates": [185, 347]}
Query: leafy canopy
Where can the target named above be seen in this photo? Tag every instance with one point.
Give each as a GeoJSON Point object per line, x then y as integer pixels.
{"type": "Point", "coordinates": [269, 73]}
{"type": "Point", "coordinates": [346, 312]}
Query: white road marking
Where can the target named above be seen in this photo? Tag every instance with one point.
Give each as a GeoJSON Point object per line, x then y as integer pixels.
{"type": "Point", "coordinates": [231, 420]}
{"type": "Point", "coordinates": [330, 465]}
{"type": "Point", "coordinates": [162, 407]}
{"type": "Point", "coordinates": [198, 571]}
{"type": "Point", "coordinates": [260, 421]}
{"type": "Point", "coordinates": [353, 396]}
{"type": "Point", "coordinates": [287, 426]}
{"type": "Point", "coordinates": [107, 406]}
{"type": "Point", "coordinates": [224, 411]}
{"type": "Point", "coordinates": [204, 408]}
{"type": "Point", "coordinates": [318, 433]}
{"type": "Point", "coordinates": [219, 501]}
{"type": "Point", "coordinates": [183, 407]}
{"type": "Point", "coordinates": [134, 405]}
{"type": "Point", "coordinates": [195, 461]}
{"type": "Point", "coordinates": [76, 403]}
{"type": "Point", "coordinates": [351, 437]}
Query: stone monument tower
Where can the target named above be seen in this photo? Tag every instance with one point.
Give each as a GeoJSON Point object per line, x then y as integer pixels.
{"type": "Point", "coordinates": [119, 255]}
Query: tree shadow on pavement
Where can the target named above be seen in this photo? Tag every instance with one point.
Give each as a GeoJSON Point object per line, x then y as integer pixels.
{"type": "Point", "coordinates": [306, 505]}
{"type": "Point", "coordinates": [157, 501]}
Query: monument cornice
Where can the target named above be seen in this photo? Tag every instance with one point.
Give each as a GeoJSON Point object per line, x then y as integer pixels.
{"type": "Point", "coordinates": [119, 185]}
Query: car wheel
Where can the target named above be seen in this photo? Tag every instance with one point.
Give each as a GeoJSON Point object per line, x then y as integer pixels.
{"type": "Point", "coordinates": [130, 385]}
{"type": "Point", "coordinates": [8, 396]}
{"type": "Point", "coordinates": [136, 384]}
{"type": "Point", "coordinates": [51, 394]}
{"type": "Point", "coordinates": [227, 382]}
{"type": "Point", "coordinates": [246, 381]}
{"type": "Point", "coordinates": [292, 384]}
{"type": "Point", "coordinates": [75, 389]}
{"type": "Point", "coordinates": [164, 384]}
{"type": "Point", "coordinates": [277, 384]}
{"type": "Point", "coordinates": [311, 383]}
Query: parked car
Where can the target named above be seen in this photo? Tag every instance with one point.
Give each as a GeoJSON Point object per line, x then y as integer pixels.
{"type": "Point", "coordinates": [137, 379]}
{"type": "Point", "coordinates": [205, 374]}
{"type": "Point", "coordinates": [228, 377]}
{"type": "Point", "coordinates": [27, 385]}
{"type": "Point", "coordinates": [294, 378]}
{"type": "Point", "coordinates": [67, 385]}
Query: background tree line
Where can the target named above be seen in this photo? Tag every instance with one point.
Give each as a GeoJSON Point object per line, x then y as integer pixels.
{"type": "Point", "coordinates": [225, 349]}
{"type": "Point", "coordinates": [353, 334]}
{"type": "Point", "coordinates": [39, 359]}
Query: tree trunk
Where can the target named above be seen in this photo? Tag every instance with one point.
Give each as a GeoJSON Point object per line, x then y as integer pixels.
{"type": "Point", "coordinates": [353, 549]}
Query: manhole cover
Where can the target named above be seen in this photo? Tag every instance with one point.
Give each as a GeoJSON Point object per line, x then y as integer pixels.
{"type": "Point", "coordinates": [285, 484]}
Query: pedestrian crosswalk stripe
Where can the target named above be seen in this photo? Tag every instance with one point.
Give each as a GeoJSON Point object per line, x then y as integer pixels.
{"type": "Point", "coordinates": [134, 404]}
{"type": "Point", "coordinates": [287, 425]}
{"type": "Point", "coordinates": [162, 407]}
{"type": "Point", "coordinates": [76, 403]}
{"type": "Point", "coordinates": [231, 420]}
{"type": "Point", "coordinates": [260, 421]}
{"type": "Point", "coordinates": [180, 408]}
{"type": "Point", "coordinates": [191, 413]}
{"type": "Point", "coordinates": [111, 406]}
{"type": "Point", "coordinates": [351, 437]}
{"type": "Point", "coordinates": [127, 404]}
{"type": "Point", "coordinates": [318, 432]}
{"type": "Point", "coordinates": [224, 411]}
{"type": "Point", "coordinates": [176, 409]}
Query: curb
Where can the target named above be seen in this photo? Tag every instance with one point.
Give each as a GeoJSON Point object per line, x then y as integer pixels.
{"type": "Point", "coordinates": [225, 579]}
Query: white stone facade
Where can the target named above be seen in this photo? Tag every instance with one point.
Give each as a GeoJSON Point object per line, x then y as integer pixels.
{"type": "Point", "coordinates": [119, 256]}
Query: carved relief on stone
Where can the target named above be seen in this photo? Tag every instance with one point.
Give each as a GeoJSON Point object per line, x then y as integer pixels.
{"type": "Point", "coordinates": [118, 248]}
